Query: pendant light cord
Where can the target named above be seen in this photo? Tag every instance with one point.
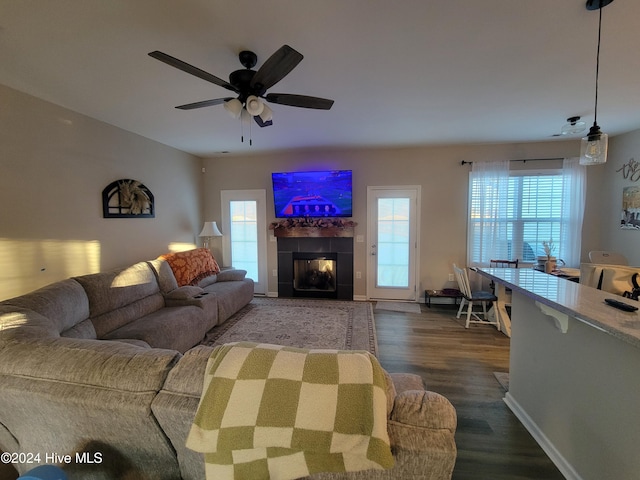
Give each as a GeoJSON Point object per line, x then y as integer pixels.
{"type": "Point", "coordinates": [595, 115]}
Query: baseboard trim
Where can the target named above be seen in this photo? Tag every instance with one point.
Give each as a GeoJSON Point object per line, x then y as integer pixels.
{"type": "Point", "coordinates": [360, 298]}
{"type": "Point", "coordinates": [554, 455]}
{"type": "Point", "coordinates": [272, 294]}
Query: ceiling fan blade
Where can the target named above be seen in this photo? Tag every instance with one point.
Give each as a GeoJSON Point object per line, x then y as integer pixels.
{"type": "Point", "coordinates": [204, 103]}
{"type": "Point", "coordinates": [299, 101]}
{"type": "Point", "coordinates": [185, 67]}
{"type": "Point", "coordinates": [260, 122]}
{"type": "Point", "coordinates": [276, 67]}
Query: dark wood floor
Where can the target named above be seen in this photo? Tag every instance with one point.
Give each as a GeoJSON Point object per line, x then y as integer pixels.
{"type": "Point", "coordinates": [459, 364]}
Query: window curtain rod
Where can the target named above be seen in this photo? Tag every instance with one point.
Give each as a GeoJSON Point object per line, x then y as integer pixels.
{"type": "Point", "coordinates": [524, 160]}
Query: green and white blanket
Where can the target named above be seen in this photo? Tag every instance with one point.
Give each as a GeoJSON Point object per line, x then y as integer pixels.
{"type": "Point", "coordinates": [275, 412]}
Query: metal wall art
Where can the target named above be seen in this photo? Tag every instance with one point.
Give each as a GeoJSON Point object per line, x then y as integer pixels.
{"type": "Point", "coordinates": [127, 198]}
{"type": "Point", "coordinates": [630, 170]}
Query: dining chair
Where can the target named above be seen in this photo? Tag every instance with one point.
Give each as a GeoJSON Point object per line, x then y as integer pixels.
{"type": "Point", "coordinates": [501, 264]}
{"type": "Point", "coordinates": [504, 263]}
{"type": "Point", "coordinates": [472, 298]}
{"type": "Point", "coordinates": [609, 258]}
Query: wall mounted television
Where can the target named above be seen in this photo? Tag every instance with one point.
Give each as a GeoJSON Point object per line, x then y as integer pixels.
{"type": "Point", "coordinates": [325, 193]}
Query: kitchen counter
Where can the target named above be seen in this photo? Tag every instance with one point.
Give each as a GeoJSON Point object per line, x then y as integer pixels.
{"type": "Point", "coordinates": [573, 373]}
{"type": "Point", "coordinates": [586, 304]}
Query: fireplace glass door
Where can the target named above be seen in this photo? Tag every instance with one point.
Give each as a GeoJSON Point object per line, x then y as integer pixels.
{"type": "Point", "coordinates": [314, 275]}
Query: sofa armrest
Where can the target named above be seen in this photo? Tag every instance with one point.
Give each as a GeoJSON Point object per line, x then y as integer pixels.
{"type": "Point", "coordinates": [422, 408]}
{"type": "Point", "coordinates": [232, 274]}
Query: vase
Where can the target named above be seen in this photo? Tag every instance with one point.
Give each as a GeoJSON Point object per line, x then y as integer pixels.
{"type": "Point", "coordinates": [550, 265]}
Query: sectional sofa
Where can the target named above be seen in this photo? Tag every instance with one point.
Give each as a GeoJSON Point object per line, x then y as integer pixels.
{"type": "Point", "coordinates": [102, 375]}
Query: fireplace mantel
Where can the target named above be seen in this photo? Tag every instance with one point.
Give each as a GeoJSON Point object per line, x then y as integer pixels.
{"type": "Point", "coordinates": [313, 232]}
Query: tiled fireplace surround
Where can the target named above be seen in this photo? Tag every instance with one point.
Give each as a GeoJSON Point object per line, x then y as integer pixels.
{"type": "Point", "coordinates": [339, 247]}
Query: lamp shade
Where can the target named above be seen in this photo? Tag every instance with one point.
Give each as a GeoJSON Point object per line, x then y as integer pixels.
{"type": "Point", "coordinates": [593, 147]}
{"type": "Point", "coordinates": [254, 106]}
{"type": "Point", "coordinates": [210, 229]}
{"type": "Point", "coordinates": [267, 114]}
{"type": "Point", "coordinates": [234, 107]}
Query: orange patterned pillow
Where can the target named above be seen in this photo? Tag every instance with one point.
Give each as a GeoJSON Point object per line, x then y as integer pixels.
{"type": "Point", "coordinates": [191, 266]}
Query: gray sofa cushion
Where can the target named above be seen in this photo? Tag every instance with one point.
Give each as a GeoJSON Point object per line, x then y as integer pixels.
{"type": "Point", "coordinates": [178, 328]}
{"type": "Point", "coordinates": [176, 404]}
{"type": "Point", "coordinates": [118, 318]}
{"type": "Point", "coordinates": [67, 395]}
{"type": "Point", "coordinates": [112, 365]}
{"type": "Point", "coordinates": [231, 274]}
{"type": "Point", "coordinates": [120, 296]}
{"type": "Point", "coordinates": [183, 293]}
{"type": "Point", "coordinates": [164, 274]}
{"type": "Point", "coordinates": [206, 281]}
{"type": "Point", "coordinates": [232, 296]}
{"type": "Point", "coordinates": [109, 291]}
{"type": "Point", "coordinates": [64, 303]}
{"type": "Point", "coordinates": [21, 323]}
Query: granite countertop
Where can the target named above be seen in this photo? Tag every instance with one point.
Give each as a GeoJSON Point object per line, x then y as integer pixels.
{"type": "Point", "coordinates": [579, 301]}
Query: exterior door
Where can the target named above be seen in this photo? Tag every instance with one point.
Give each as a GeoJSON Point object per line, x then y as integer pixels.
{"type": "Point", "coordinates": [392, 236]}
{"type": "Point", "coordinates": [244, 238]}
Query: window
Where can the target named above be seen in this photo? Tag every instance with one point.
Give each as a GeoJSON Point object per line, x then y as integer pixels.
{"type": "Point", "coordinates": [531, 214]}
{"type": "Point", "coordinates": [244, 239]}
{"type": "Point", "coordinates": [244, 236]}
{"type": "Point", "coordinates": [393, 242]}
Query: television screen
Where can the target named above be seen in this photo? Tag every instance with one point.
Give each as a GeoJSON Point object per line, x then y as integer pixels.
{"type": "Point", "coordinates": [312, 194]}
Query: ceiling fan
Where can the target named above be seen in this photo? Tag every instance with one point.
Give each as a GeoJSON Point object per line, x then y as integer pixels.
{"type": "Point", "coordinates": [250, 85]}
{"type": "Point", "coordinates": [573, 126]}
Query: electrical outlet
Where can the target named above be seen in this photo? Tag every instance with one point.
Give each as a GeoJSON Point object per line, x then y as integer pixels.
{"type": "Point", "coordinates": [451, 277]}
{"type": "Point", "coordinates": [358, 275]}
{"type": "Point", "coordinates": [274, 272]}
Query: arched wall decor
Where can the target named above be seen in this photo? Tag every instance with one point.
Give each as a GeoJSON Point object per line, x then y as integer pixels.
{"type": "Point", "coordinates": [127, 198]}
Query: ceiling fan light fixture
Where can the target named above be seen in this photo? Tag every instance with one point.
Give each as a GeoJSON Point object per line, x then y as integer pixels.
{"type": "Point", "coordinates": [234, 107]}
{"type": "Point", "coordinates": [267, 114]}
{"type": "Point", "coordinates": [253, 105]}
{"type": "Point", "coordinates": [574, 125]}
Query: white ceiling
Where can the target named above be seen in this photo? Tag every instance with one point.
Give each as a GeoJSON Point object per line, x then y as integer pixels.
{"type": "Point", "coordinates": [410, 72]}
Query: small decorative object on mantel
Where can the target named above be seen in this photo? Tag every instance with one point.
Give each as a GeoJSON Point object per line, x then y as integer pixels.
{"type": "Point", "coordinates": [127, 198]}
{"type": "Point", "coordinates": [310, 227]}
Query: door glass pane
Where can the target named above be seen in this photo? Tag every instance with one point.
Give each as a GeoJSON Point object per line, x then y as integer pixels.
{"type": "Point", "coordinates": [244, 236]}
{"type": "Point", "coordinates": [393, 242]}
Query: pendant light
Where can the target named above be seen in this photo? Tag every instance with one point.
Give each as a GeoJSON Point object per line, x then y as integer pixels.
{"type": "Point", "coordinates": [593, 148]}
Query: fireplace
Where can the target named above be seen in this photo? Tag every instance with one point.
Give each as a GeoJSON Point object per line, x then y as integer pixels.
{"type": "Point", "coordinates": [315, 267]}
{"type": "Point", "coordinates": [314, 275]}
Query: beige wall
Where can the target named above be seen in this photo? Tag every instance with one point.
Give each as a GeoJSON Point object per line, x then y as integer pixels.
{"type": "Point", "coordinates": [437, 169]}
{"type": "Point", "coordinates": [54, 164]}
{"type": "Point", "coordinates": [622, 149]}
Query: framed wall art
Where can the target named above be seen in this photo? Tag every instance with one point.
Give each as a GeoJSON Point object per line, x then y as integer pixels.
{"type": "Point", "coordinates": [127, 198]}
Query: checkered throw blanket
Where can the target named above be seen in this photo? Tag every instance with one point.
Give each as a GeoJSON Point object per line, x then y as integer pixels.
{"type": "Point", "coordinates": [275, 412]}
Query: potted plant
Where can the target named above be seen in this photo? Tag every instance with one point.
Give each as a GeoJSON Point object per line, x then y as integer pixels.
{"type": "Point", "coordinates": [551, 262]}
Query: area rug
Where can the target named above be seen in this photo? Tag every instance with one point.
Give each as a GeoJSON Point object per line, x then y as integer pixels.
{"type": "Point", "coordinates": [303, 323]}
{"type": "Point", "coordinates": [404, 307]}
{"type": "Point", "coordinates": [503, 379]}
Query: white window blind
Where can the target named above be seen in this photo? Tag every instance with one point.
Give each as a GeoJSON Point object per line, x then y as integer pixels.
{"type": "Point", "coordinates": [533, 214]}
